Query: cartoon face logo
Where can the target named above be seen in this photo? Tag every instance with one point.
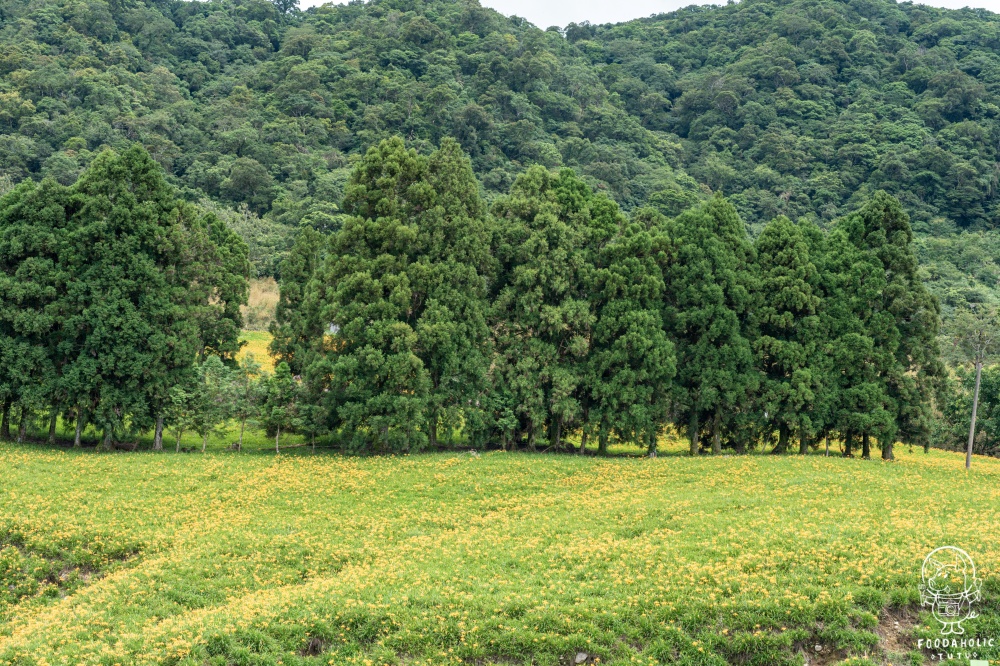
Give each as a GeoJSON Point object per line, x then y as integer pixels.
{"type": "Point", "coordinates": [950, 587]}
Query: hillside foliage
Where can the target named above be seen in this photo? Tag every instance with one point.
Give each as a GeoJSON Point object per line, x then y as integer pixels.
{"type": "Point", "coordinates": [792, 107]}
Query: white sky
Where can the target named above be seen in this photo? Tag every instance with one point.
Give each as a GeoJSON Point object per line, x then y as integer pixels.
{"type": "Point", "coordinates": [544, 13]}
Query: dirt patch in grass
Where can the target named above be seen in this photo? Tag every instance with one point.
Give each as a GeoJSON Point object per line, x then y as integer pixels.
{"type": "Point", "coordinates": [895, 632]}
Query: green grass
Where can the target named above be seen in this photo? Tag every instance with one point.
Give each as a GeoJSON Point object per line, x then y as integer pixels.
{"type": "Point", "coordinates": [253, 558]}
{"type": "Point", "coordinates": [256, 343]}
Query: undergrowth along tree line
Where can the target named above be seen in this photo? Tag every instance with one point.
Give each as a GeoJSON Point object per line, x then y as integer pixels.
{"type": "Point", "coordinates": [547, 318]}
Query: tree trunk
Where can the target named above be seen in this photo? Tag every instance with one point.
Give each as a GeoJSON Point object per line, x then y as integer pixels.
{"type": "Point", "coordinates": [277, 441]}
{"type": "Point", "coordinates": [5, 422]}
{"type": "Point", "coordinates": [180, 433]}
{"type": "Point", "coordinates": [975, 408]}
{"type": "Point", "coordinates": [78, 436]}
{"type": "Point", "coordinates": [204, 443]}
{"type": "Point", "coordinates": [803, 442]}
{"type": "Point", "coordinates": [828, 444]}
{"type": "Point", "coordinates": [782, 446]}
{"type": "Point", "coordinates": [602, 442]}
{"type": "Point", "coordinates": [651, 444]}
{"type": "Point", "coordinates": [158, 435]}
{"type": "Point", "coordinates": [53, 419]}
{"type": "Point", "coordinates": [848, 444]}
{"type": "Point", "coordinates": [583, 441]}
{"type": "Point", "coordinates": [107, 439]}
{"type": "Point", "coordinates": [887, 450]}
{"type": "Point", "coordinates": [693, 432]}
{"type": "Point", "coordinates": [717, 432]}
{"type": "Point", "coordinates": [531, 436]}
{"type": "Point", "coordinates": [866, 446]}
{"type": "Point", "coordinates": [313, 442]}
{"type": "Point", "coordinates": [432, 430]}
{"type": "Point", "coordinates": [243, 425]}
{"type": "Point", "coordinates": [22, 427]}
{"type": "Point", "coordinates": [557, 433]}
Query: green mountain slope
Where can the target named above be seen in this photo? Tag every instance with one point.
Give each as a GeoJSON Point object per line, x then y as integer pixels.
{"type": "Point", "coordinates": [797, 107]}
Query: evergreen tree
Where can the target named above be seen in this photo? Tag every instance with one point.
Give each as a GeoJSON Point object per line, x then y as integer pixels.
{"type": "Point", "coordinates": [278, 410]}
{"type": "Point", "coordinates": [787, 329]}
{"type": "Point", "coordinates": [34, 338]}
{"type": "Point", "coordinates": [631, 363]}
{"type": "Point", "coordinates": [247, 392]}
{"type": "Point", "coordinates": [216, 399]}
{"type": "Point", "coordinates": [821, 412]}
{"type": "Point", "coordinates": [543, 314]}
{"type": "Point", "coordinates": [909, 327]}
{"type": "Point", "coordinates": [182, 412]}
{"type": "Point", "coordinates": [403, 290]}
{"type": "Point", "coordinates": [296, 325]}
{"type": "Point", "coordinates": [111, 287]}
{"type": "Point", "coordinates": [449, 278]}
{"type": "Point", "coordinates": [709, 302]}
{"type": "Point", "coordinates": [862, 343]}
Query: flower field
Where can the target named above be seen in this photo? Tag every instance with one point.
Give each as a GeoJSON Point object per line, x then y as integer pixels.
{"type": "Point", "coordinates": [502, 558]}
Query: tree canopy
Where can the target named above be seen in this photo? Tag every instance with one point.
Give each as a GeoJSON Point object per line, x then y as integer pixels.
{"type": "Point", "coordinates": [789, 107]}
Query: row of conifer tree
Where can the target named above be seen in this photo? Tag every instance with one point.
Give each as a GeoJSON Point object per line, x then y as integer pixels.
{"type": "Point", "coordinates": [545, 319]}
{"type": "Point", "coordinates": [550, 318]}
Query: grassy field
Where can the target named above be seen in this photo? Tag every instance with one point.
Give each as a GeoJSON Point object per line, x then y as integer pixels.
{"type": "Point", "coordinates": [248, 558]}
{"type": "Point", "coordinates": [256, 343]}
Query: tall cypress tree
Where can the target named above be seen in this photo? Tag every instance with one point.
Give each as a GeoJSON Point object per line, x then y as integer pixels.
{"type": "Point", "coordinates": [862, 343]}
{"type": "Point", "coordinates": [33, 285]}
{"type": "Point", "coordinates": [450, 277]}
{"type": "Point", "coordinates": [404, 285]}
{"type": "Point", "coordinates": [882, 228]}
{"type": "Point", "coordinates": [154, 283]}
{"type": "Point", "coordinates": [787, 329]}
{"type": "Point", "coordinates": [631, 362]}
{"type": "Point", "coordinates": [296, 323]}
{"type": "Point", "coordinates": [821, 412]}
{"type": "Point", "coordinates": [543, 317]}
{"type": "Point", "coordinates": [710, 293]}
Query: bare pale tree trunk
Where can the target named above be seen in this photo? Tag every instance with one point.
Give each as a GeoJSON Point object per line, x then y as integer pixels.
{"type": "Point", "coordinates": [53, 417]}
{"type": "Point", "coordinates": [975, 409]}
{"type": "Point", "coordinates": [277, 441]}
{"type": "Point", "coordinates": [313, 441]}
{"type": "Point", "coordinates": [717, 432]}
{"type": "Point", "coordinates": [651, 446]}
{"type": "Point", "coordinates": [693, 432]}
{"type": "Point", "coordinates": [827, 444]}
{"type": "Point", "coordinates": [204, 442]}
{"type": "Point", "coordinates": [78, 436]}
{"type": "Point", "coordinates": [158, 435]}
{"type": "Point", "coordinates": [180, 433]}
{"type": "Point", "coordinates": [583, 441]}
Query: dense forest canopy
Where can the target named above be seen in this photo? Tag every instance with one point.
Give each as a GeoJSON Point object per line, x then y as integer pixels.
{"type": "Point", "coordinates": [795, 107]}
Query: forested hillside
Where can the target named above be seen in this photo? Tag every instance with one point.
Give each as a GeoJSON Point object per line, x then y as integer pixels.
{"type": "Point", "coordinates": [792, 107]}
